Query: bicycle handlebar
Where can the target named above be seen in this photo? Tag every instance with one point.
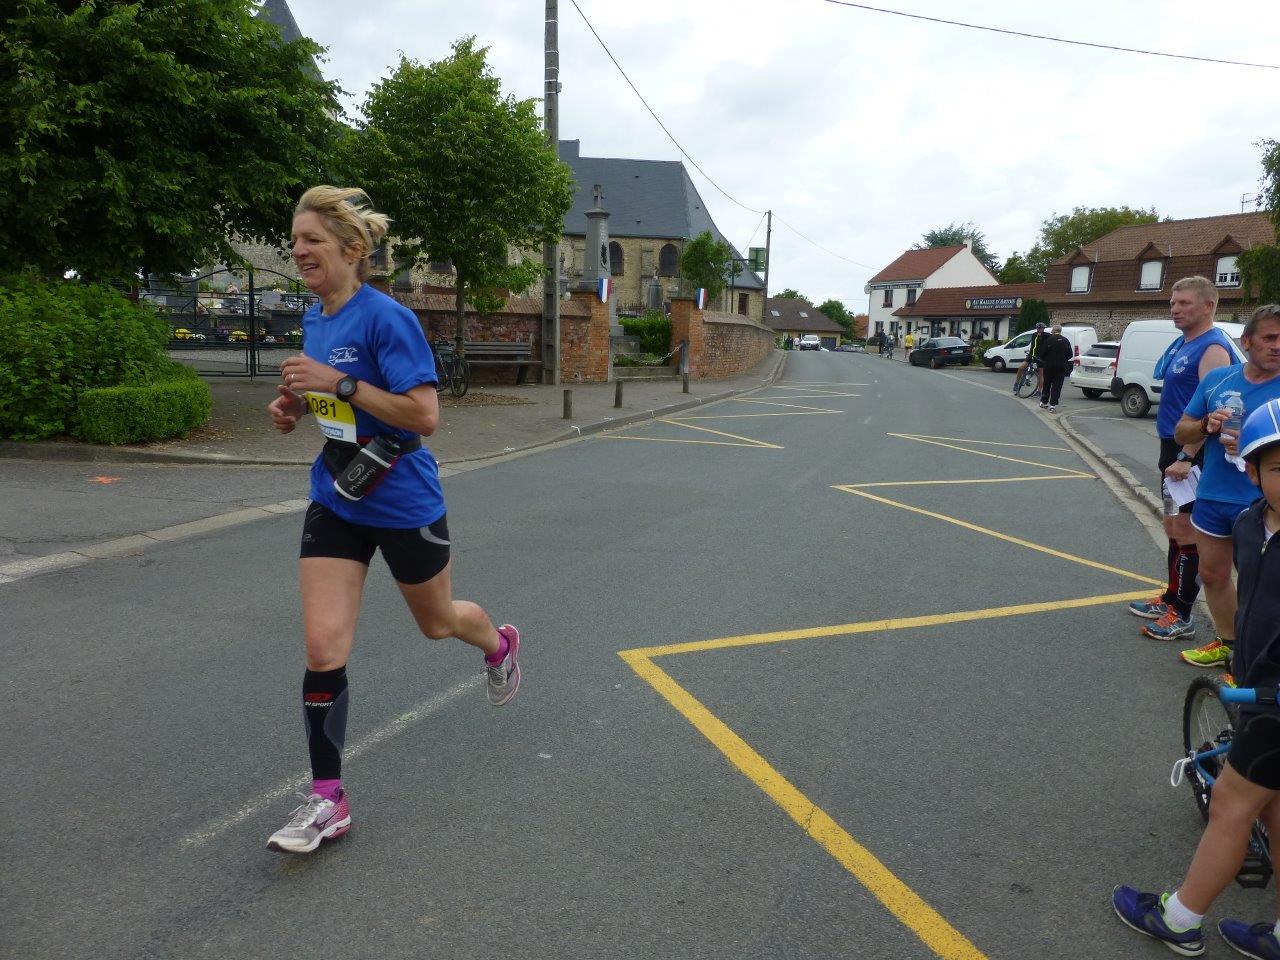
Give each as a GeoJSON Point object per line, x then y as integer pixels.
{"type": "Point", "coordinates": [1265, 695]}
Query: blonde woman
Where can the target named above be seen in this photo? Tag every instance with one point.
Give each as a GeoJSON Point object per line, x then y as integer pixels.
{"type": "Point", "coordinates": [368, 378]}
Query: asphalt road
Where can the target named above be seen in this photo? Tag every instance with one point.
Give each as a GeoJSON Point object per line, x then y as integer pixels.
{"type": "Point", "coordinates": [842, 725]}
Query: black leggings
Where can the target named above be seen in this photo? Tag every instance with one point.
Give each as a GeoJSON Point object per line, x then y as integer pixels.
{"type": "Point", "coordinates": [1053, 380]}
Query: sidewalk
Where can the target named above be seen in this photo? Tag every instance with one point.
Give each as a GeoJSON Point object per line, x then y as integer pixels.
{"type": "Point", "coordinates": [488, 422]}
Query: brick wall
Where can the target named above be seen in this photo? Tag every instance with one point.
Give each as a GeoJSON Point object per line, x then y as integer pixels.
{"type": "Point", "coordinates": [584, 342]}
{"type": "Point", "coordinates": [732, 344]}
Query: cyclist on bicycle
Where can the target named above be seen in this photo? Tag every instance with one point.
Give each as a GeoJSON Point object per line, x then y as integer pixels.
{"type": "Point", "coordinates": [1248, 788]}
{"type": "Point", "coordinates": [1032, 360]}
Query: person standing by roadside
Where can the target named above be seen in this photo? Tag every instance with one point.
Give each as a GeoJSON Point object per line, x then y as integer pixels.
{"type": "Point", "coordinates": [909, 343]}
{"type": "Point", "coordinates": [1200, 349]}
{"type": "Point", "coordinates": [1214, 415]}
{"type": "Point", "coordinates": [1033, 356]}
{"type": "Point", "coordinates": [1055, 361]}
{"type": "Point", "coordinates": [368, 377]}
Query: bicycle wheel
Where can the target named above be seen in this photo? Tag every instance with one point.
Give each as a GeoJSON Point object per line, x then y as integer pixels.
{"type": "Point", "coordinates": [443, 365]}
{"type": "Point", "coordinates": [1206, 723]}
{"type": "Point", "coordinates": [459, 376]}
{"type": "Point", "coordinates": [1027, 385]}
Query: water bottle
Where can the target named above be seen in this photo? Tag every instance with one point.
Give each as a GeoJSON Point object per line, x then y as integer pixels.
{"type": "Point", "coordinates": [1234, 422]}
{"type": "Point", "coordinates": [1168, 504]}
{"type": "Point", "coordinates": [367, 467]}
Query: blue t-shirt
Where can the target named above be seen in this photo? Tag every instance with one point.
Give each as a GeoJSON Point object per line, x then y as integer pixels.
{"type": "Point", "coordinates": [1180, 368]}
{"type": "Point", "coordinates": [1222, 480]}
{"type": "Point", "coordinates": [379, 342]}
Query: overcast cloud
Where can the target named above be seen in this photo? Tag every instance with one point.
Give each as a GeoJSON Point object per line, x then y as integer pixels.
{"type": "Point", "coordinates": [864, 130]}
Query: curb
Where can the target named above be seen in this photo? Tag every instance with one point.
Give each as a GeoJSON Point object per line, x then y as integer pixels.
{"type": "Point", "coordinates": [80, 453]}
{"type": "Point", "coordinates": [1120, 473]}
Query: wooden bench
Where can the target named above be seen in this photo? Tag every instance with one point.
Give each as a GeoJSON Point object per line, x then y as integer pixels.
{"type": "Point", "coordinates": [517, 354]}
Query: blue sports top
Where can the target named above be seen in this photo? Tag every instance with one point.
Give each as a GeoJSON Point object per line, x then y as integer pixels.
{"type": "Point", "coordinates": [1180, 369]}
{"type": "Point", "coordinates": [1221, 480]}
{"type": "Point", "coordinates": [379, 342]}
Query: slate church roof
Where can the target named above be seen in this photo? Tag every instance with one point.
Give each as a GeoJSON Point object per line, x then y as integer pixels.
{"type": "Point", "coordinates": [645, 198]}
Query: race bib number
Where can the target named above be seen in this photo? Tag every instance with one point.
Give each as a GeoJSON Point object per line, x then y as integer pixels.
{"type": "Point", "coordinates": [337, 418]}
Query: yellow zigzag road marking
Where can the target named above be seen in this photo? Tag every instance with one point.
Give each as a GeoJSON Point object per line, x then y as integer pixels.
{"type": "Point", "coordinates": [985, 443]}
{"type": "Point", "coordinates": [1003, 536]}
{"type": "Point", "coordinates": [721, 433]}
{"type": "Point", "coordinates": [993, 456]}
{"type": "Point", "coordinates": [899, 899]}
{"type": "Point", "coordinates": [779, 403]}
{"type": "Point", "coordinates": [935, 483]}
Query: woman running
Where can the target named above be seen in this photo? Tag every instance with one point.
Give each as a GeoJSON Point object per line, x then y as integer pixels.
{"type": "Point", "coordinates": [368, 377]}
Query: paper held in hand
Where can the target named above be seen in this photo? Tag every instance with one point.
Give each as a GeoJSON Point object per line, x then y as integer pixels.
{"type": "Point", "coordinates": [1183, 491]}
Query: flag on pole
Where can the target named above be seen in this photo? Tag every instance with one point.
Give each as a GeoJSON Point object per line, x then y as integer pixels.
{"type": "Point", "coordinates": [700, 296]}
{"type": "Point", "coordinates": [604, 289]}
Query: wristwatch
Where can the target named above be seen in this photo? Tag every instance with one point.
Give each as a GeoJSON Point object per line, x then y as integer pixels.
{"type": "Point", "coordinates": [1184, 457]}
{"type": "Point", "coordinates": [347, 387]}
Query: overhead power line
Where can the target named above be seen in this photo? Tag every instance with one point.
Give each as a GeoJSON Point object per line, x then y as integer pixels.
{"type": "Point", "coordinates": [1041, 36]}
{"type": "Point", "coordinates": [685, 153]}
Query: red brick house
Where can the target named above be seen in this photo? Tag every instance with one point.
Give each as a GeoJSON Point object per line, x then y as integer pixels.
{"type": "Point", "coordinates": [1126, 275]}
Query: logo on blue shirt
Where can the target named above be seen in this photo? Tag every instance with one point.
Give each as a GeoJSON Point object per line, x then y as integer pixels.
{"type": "Point", "coordinates": [343, 355]}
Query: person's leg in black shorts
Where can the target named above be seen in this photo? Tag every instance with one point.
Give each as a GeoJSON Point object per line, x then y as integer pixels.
{"type": "Point", "coordinates": [1182, 557]}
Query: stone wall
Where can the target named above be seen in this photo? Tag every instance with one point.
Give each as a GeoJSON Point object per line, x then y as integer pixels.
{"type": "Point", "coordinates": [1109, 323]}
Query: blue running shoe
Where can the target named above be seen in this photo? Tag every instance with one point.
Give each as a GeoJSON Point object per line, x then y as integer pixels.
{"type": "Point", "coordinates": [1256, 940]}
{"type": "Point", "coordinates": [1152, 609]}
{"type": "Point", "coordinates": [1142, 912]}
{"type": "Point", "coordinates": [1170, 627]}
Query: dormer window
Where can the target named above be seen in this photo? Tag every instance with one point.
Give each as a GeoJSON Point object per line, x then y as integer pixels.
{"type": "Point", "coordinates": [1152, 277]}
{"type": "Point", "coordinates": [1080, 279]}
{"type": "Point", "coordinates": [1228, 272]}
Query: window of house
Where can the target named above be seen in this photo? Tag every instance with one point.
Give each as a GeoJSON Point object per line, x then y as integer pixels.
{"type": "Point", "coordinates": [440, 266]}
{"type": "Point", "coordinates": [1080, 279]}
{"type": "Point", "coordinates": [378, 259]}
{"type": "Point", "coordinates": [803, 314]}
{"type": "Point", "coordinates": [615, 258]}
{"type": "Point", "coordinates": [668, 261]}
{"type": "Point", "coordinates": [888, 298]}
{"type": "Point", "coordinates": [911, 295]}
{"type": "Point", "coordinates": [775, 313]}
{"type": "Point", "coordinates": [1152, 275]}
{"type": "Point", "coordinates": [1228, 272]}
{"type": "Point", "coordinates": [743, 301]}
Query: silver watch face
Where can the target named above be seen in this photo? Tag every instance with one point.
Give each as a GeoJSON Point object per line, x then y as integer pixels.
{"type": "Point", "coordinates": [346, 387]}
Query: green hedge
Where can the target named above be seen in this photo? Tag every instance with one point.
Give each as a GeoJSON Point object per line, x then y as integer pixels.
{"type": "Point", "coordinates": [172, 403]}
{"type": "Point", "coordinates": [654, 331]}
{"type": "Point", "coordinates": [980, 349]}
{"type": "Point", "coordinates": [60, 338]}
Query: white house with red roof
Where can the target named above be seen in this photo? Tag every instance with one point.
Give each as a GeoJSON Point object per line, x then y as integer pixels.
{"type": "Point", "coordinates": [901, 282]}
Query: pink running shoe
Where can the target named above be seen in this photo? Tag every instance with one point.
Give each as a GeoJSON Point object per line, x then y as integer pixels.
{"type": "Point", "coordinates": [315, 821]}
{"type": "Point", "coordinates": [504, 677]}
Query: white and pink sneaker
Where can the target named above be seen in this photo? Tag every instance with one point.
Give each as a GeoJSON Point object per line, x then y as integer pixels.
{"type": "Point", "coordinates": [315, 821]}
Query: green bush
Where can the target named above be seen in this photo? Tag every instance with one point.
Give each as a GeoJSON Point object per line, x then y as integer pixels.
{"type": "Point", "coordinates": [654, 331]}
{"type": "Point", "coordinates": [173, 402]}
{"type": "Point", "coordinates": [59, 338]}
{"type": "Point", "coordinates": [980, 349]}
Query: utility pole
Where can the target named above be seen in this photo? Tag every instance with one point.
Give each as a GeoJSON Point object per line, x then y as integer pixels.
{"type": "Point", "coordinates": [768, 234]}
{"type": "Point", "coordinates": [551, 251]}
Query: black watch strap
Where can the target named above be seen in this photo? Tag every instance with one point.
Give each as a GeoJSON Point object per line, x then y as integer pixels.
{"type": "Point", "coordinates": [347, 387]}
{"type": "Point", "coordinates": [1184, 457]}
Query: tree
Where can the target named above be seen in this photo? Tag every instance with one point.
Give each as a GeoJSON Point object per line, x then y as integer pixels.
{"type": "Point", "coordinates": [789, 294]}
{"type": "Point", "coordinates": [860, 323]}
{"type": "Point", "coordinates": [1260, 265]}
{"type": "Point", "coordinates": [1031, 312]}
{"type": "Point", "coordinates": [837, 312]}
{"type": "Point", "coordinates": [1062, 233]}
{"type": "Point", "coordinates": [463, 172]}
{"type": "Point", "coordinates": [1017, 270]}
{"type": "Point", "coordinates": [953, 235]}
{"type": "Point", "coordinates": [145, 136]}
{"type": "Point", "coordinates": [706, 262]}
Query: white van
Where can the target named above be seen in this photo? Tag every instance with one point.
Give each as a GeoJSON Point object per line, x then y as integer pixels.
{"type": "Point", "coordinates": [1010, 355]}
{"type": "Point", "coordinates": [1142, 344]}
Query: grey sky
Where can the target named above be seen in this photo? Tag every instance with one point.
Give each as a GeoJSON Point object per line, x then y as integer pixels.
{"type": "Point", "coordinates": [864, 130]}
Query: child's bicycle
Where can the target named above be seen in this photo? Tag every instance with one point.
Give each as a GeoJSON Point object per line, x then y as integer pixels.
{"type": "Point", "coordinates": [1028, 382]}
{"type": "Point", "coordinates": [452, 370]}
{"type": "Point", "coordinates": [1210, 714]}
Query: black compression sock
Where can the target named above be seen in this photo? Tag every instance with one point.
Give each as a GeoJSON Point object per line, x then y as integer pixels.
{"type": "Point", "coordinates": [1187, 567]}
{"type": "Point", "coordinates": [324, 710]}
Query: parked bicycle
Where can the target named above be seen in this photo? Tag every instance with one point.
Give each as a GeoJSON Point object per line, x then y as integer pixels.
{"type": "Point", "coordinates": [1210, 715]}
{"type": "Point", "coordinates": [1028, 383]}
{"type": "Point", "coordinates": [452, 370]}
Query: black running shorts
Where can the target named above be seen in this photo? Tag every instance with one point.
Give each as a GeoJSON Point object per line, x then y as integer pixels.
{"type": "Point", "coordinates": [1255, 749]}
{"type": "Point", "coordinates": [414, 555]}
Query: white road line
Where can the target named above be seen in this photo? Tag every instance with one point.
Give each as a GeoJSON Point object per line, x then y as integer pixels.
{"type": "Point", "coordinates": [424, 709]}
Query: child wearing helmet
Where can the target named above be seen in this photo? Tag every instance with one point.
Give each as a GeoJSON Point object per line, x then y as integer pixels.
{"type": "Point", "coordinates": [1249, 786]}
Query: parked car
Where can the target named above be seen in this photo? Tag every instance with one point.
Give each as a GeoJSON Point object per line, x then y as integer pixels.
{"type": "Point", "coordinates": [1009, 355]}
{"type": "Point", "coordinates": [940, 351]}
{"type": "Point", "coordinates": [182, 333]}
{"type": "Point", "coordinates": [1092, 370]}
{"type": "Point", "coordinates": [1142, 345]}
{"type": "Point", "coordinates": [238, 336]}
{"type": "Point", "coordinates": [810, 341]}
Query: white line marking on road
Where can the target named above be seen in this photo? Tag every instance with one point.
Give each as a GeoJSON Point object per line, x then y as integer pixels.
{"type": "Point", "coordinates": [421, 711]}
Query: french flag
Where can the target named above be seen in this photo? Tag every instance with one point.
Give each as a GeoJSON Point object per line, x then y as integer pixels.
{"type": "Point", "coordinates": [604, 289]}
{"type": "Point", "coordinates": [700, 295]}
